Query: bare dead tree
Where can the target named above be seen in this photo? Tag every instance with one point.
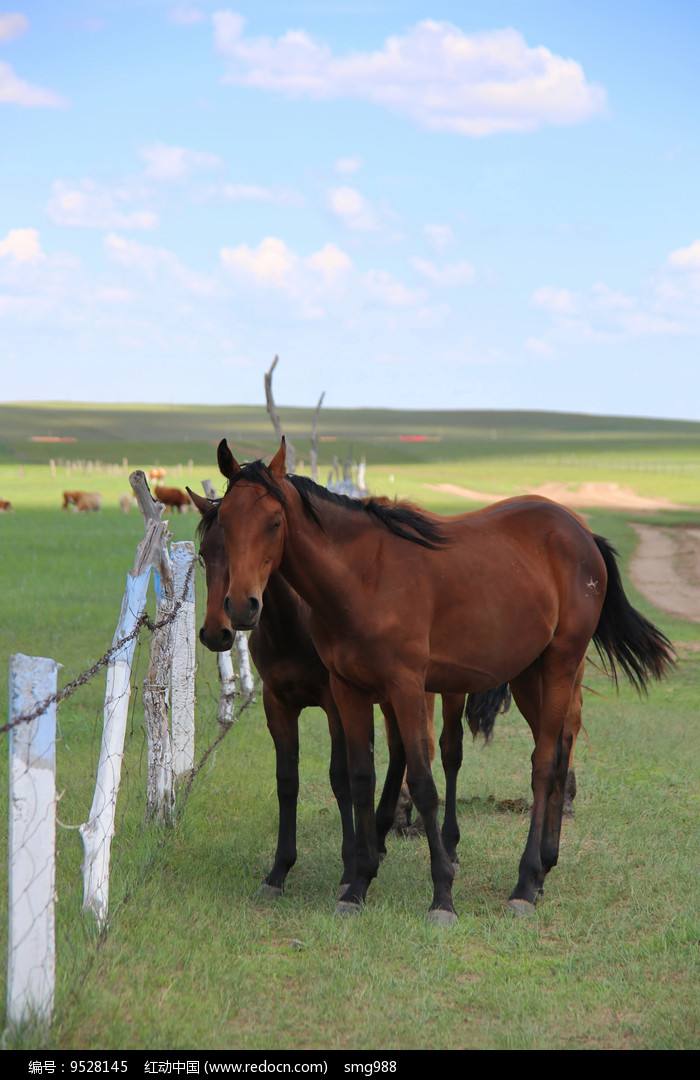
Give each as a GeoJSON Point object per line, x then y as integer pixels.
{"type": "Point", "coordinates": [314, 438]}
{"type": "Point", "coordinates": [274, 416]}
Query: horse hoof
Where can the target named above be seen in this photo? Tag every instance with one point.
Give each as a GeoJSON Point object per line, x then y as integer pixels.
{"type": "Point", "coordinates": [269, 892]}
{"type": "Point", "coordinates": [568, 810]}
{"type": "Point", "coordinates": [521, 908]}
{"type": "Point", "coordinates": [342, 889]}
{"type": "Point", "coordinates": [441, 917]}
{"type": "Point", "coordinates": [346, 907]}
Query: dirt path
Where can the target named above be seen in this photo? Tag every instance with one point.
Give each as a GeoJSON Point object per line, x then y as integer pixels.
{"type": "Point", "coordinates": [666, 569]}
{"type": "Point", "coordinates": [589, 494]}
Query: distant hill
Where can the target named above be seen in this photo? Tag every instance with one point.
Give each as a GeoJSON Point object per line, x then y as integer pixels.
{"type": "Point", "coordinates": [176, 433]}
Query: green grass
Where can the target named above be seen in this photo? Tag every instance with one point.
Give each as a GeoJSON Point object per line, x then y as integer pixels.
{"type": "Point", "coordinates": [192, 960]}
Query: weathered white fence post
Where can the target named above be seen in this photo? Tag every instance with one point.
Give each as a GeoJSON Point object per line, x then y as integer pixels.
{"type": "Point", "coordinates": [98, 831]}
{"type": "Point", "coordinates": [184, 660]}
{"type": "Point", "coordinates": [244, 672]}
{"type": "Point", "coordinates": [160, 799]}
{"type": "Point", "coordinates": [31, 963]}
{"type": "Point", "coordinates": [227, 693]}
{"type": "Point", "coordinates": [209, 489]}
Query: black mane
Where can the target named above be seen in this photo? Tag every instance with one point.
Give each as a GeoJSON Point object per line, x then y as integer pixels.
{"type": "Point", "coordinates": [399, 518]}
{"type": "Point", "coordinates": [207, 519]}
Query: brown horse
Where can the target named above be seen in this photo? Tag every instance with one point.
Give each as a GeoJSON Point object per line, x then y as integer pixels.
{"type": "Point", "coordinates": [293, 678]}
{"type": "Point", "coordinates": [403, 601]}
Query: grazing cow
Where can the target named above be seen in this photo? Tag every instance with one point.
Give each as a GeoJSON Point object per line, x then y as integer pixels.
{"type": "Point", "coordinates": [88, 500]}
{"type": "Point", "coordinates": [82, 501]}
{"type": "Point", "coordinates": [173, 497]}
{"type": "Point", "coordinates": [5, 505]}
{"type": "Point", "coordinates": [126, 502]}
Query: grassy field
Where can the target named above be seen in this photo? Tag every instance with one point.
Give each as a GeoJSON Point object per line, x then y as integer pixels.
{"type": "Point", "coordinates": [191, 959]}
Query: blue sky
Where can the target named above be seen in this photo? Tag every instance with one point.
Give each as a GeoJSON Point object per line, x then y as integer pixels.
{"type": "Point", "coordinates": [461, 205]}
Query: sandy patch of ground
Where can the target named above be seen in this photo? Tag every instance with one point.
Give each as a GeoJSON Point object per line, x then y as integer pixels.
{"type": "Point", "coordinates": [666, 569]}
{"type": "Point", "coordinates": [590, 494]}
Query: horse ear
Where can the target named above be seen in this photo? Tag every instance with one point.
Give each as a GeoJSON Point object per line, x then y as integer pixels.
{"type": "Point", "coordinates": [228, 466]}
{"type": "Point", "coordinates": [203, 504]}
{"type": "Point", "coordinates": [278, 465]}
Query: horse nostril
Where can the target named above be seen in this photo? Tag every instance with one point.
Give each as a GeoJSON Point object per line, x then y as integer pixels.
{"type": "Point", "coordinates": [227, 606]}
{"type": "Point", "coordinates": [201, 635]}
{"type": "Point", "coordinates": [253, 604]}
{"type": "Point", "coordinates": [226, 638]}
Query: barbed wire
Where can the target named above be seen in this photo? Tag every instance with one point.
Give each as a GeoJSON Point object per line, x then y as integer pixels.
{"type": "Point", "coordinates": [80, 680]}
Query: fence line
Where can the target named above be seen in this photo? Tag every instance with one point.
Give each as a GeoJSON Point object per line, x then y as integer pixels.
{"type": "Point", "coordinates": [32, 730]}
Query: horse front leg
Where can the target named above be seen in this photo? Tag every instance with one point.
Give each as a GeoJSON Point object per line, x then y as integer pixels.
{"type": "Point", "coordinates": [283, 725]}
{"type": "Point", "coordinates": [340, 785]}
{"type": "Point", "coordinates": [357, 715]}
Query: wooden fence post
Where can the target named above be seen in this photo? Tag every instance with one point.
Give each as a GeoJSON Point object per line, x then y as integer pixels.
{"type": "Point", "coordinates": [160, 799]}
{"type": "Point", "coordinates": [31, 961]}
{"type": "Point", "coordinates": [245, 674]}
{"type": "Point", "coordinates": [184, 661]}
{"type": "Point", "coordinates": [227, 693]}
{"type": "Point", "coordinates": [98, 830]}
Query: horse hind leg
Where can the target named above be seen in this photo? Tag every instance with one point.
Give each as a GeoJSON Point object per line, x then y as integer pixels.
{"type": "Point", "coordinates": [411, 714]}
{"type": "Point", "coordinates": [575, 726]}
{"type": "Point", "coordinates": [557, 678]}
{"type": "Point", "coordinates": [390, 811]}
{"type": "Point", "coordinates": [556, 803]}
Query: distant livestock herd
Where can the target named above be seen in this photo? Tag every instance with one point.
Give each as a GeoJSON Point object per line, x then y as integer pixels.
{"type": "Point", "coordinates": [83, 502]}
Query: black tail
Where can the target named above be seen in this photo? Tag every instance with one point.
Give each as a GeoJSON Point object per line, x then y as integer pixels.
{"type": "Point", "coordinates": [624, 637]}
{"type": "Point", "coordinates": [483, 708]}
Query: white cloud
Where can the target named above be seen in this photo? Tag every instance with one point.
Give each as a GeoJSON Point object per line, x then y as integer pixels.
{"type": "Point", "coordinates": [602, 315]}
{"type": "Point", "coordinates": [330, 261]}
{"type": "Point", "coordinates": [92, 206]}
{"type": "Point", "coordinates": [15, 91]}
{"type": "Point", "coordinates": [164, 162]}
{"type": "Point", "coordinates": [440, 237]}
{"type": "Point", "coordinates": [21, 245]}
{"type": "Point", "coordinates": [270, 263]}
{"type": "Point", "coordinates": [556, 301]}
{"type": "Point", "coordinates": [388, 290]}
{"type": "Point", "coordinates": [442, 78]}
{"type": "Point", "coordinates": [687, 258]}
{"type": "Point", "coordinates": [154, 262]}
{"type": "Point", "coordinates": [259, 193]}
{"type": "Point", "coordinates": [12, 25]}
{"type": "Point", "coordinates": [352, 208]}
{"type": "Point", "coordinates": [446, 276]}
{"type": "Point", "coordinates": [610, 299]}
{"type": "Point", "coordinates": [347, 166]}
